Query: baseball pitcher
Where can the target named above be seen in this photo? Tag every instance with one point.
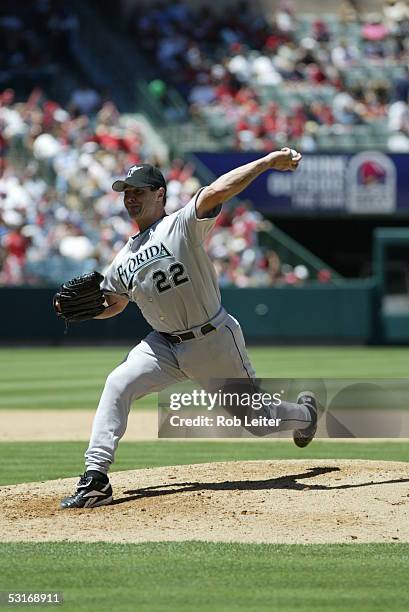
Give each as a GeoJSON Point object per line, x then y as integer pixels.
{"type": "Point", "coordinates": [165, 270]}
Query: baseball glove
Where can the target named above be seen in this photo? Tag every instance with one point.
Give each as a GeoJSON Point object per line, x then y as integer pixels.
{"type": "Point", "coordinates": [80, 298]}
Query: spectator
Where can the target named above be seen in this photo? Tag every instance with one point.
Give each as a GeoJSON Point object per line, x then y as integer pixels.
{"type": "Point", "coordinates": [285, 17]}
{"type": "Point", "coordinates": [344, 55]}
{"type": "Point", "coordinates": [401, 87]}
{"type": "Point", "coordinates": [348, 13]}
{"type": "Point", "coordinates": [321, 32]}
{"type": "Point", "coordinates": [374, 29]}
{"type": "Point", "coordinates": [263, 70]}
{"type": "Point", "coordinates": [396, 14]}
{"type": "Point", "coordinates": [398, 122]}
{"type": "Point", "coordinates": [203, 93]}
{"type": "Point", "coordinates": [398, 117]}
{"type": "Point", "coordinates": [85, 100]}
{"type": "Point", "coordinates": [345, 109]}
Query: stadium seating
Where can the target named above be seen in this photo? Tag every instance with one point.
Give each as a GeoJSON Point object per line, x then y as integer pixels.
{"type": "Point", "coordinates": [59, 217]}
{"type": "Point", "coordinates": [303, 63]}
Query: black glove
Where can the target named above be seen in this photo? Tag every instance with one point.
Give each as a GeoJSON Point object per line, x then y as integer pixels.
{"type": "Point", "coordinates": [80, 299]}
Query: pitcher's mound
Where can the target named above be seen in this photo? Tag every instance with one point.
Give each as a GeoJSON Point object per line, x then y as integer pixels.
{"type": "Point", "coordinates": [315, 501]}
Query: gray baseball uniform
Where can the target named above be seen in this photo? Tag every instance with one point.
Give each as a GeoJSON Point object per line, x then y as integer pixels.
{"type": "Point", "coordinates": [166, 271]}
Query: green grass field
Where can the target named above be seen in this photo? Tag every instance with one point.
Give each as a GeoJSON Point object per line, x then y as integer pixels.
{"type": "Point", "coordinates": [74, 377]}
{"type": "Point", "coordinates": [30, 461]}
{"type": "Point", "coordinates": [195, 575]}
{"type": "Point", "coordinates": [204, 576]}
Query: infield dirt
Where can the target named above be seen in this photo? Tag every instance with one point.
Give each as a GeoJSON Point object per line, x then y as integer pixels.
{"type": "Point", "coordinates": [58, 425]}
{"type": "Point", "coordinates": [314, 501]}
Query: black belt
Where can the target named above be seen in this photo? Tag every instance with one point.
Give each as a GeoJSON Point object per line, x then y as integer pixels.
{"type": "Point", "coordinates": [178, 338]}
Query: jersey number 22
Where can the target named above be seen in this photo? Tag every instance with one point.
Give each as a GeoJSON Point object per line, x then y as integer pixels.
{"type": "Point", "coordinates": [176, 276]}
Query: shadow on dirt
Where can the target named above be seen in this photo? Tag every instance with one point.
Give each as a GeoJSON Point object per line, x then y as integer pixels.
{"type": "Point", "coordinates": [289, 482]}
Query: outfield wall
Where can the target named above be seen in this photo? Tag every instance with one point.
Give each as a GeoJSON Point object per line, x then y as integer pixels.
{"type": "Point", "coordinates": [314, 313]}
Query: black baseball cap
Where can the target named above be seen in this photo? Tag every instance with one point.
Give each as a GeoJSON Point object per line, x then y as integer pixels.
{"type": "Point", "coordinates": [143, 175]}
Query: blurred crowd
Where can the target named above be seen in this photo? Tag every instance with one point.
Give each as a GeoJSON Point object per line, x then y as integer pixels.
{"type": "Point", "coordinates": [279, 80]}
{"type": "Point", "coordinates": [242, 259]}
{"type": "Point", "coordinates": [35, 36]}
{"type": "Point", "coordinates": [59, 216]}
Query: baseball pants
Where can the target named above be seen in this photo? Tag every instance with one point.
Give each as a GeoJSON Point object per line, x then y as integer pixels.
{"type": "Point", "coordinates": [155, 364]}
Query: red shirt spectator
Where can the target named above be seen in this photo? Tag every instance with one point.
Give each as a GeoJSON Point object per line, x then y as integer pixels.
{"type": "Point", "coordinates": [16, 244]}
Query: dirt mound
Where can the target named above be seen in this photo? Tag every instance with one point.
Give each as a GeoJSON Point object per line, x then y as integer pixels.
{"type": "Point", "coordinates": [315, 501]}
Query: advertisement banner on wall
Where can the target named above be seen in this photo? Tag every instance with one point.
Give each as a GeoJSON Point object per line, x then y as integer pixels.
{"type": "Point", "coordinates": [366, 183]}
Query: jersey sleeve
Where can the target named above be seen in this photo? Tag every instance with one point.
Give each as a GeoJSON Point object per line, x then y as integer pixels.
{"type": "Point", "coordinates": [112, 282]}
{"type": "Point", "coordinates": [194, 228]}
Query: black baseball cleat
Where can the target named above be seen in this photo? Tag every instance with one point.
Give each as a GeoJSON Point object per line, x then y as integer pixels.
{"type": "Point", "coordinates": [90, 493]}
{"type": "Point", "coordinates": [302, 437]}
